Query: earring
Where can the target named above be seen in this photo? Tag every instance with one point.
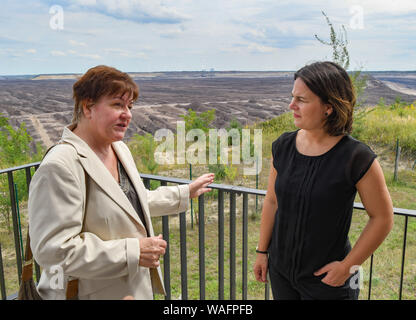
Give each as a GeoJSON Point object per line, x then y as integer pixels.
{"type": "Point", "coordinates": [326, 114]}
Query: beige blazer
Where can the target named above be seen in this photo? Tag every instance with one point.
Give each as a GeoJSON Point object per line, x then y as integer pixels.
{"type": "Point", "coordinates": [83, 226]}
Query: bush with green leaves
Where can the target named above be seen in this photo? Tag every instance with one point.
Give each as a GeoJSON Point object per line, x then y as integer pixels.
{"type": "Point", "coordinates": [202, 120]}
{"type": "Point", "coordinates": [143, 149]}
{"type": "Point", "coordinates": [14, 151]}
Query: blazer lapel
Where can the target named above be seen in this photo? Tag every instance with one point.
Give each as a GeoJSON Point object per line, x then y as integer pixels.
{"type": "Point", "coordinates": [96, 169]}
{"type": "Point", "coordinates": [130, 167]}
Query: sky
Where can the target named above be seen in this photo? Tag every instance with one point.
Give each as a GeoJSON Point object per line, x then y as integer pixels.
{"type": "Point", "coordinates": [71, 36]}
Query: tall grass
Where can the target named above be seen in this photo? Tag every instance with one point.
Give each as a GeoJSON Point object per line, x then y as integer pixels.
{"type": "Point", "coordinates": [378, 126]}
{"type": "Point", "coordinates": [383, 125]}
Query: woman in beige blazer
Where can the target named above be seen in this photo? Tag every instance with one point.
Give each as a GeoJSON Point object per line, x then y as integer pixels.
{"type": "Point", "coordinates": [89, 212]}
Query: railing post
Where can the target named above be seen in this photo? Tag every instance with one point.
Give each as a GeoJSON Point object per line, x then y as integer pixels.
{"type": "Point", "coordinates": [15, 226]}
{"type": "Point", "coordinates": [184, 268]}
{"type": "Point", "coordinates": [245, 244]}
{"type": "Point", "coordinates": [220, 244]}
{"type": "Point", "coordinates": [166, 257]}
{"type": "Point", "coordinates": [2, 282]}
{"type": "Point", "coordinates": [201, 227]}
{"type": "Point", "coordinates": [232, 245]}
{"type": "Point", "coordinates": [371, 276]}
{"type": "Point", "coordinates": [266, 291]}
{"type": "Point", "coordinates": [19, 222]}
{"type": "Point", "coordinates": [403, 256]}
{"type": "Point", "coordinates": [397, 159]}
{"type": "Point", "coordinates": [146, 183]}
{"type": "Point", "coordinates": [192, 202]}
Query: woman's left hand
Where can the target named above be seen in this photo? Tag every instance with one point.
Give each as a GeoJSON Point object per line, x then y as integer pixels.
{"type": "Point", "coordinates": [199, 185]}
{"type": "Point", "coordinates": [336, 273]}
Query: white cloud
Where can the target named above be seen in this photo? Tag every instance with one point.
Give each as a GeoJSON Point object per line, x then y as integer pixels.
{"type": "Point", "coordinates": [93, 56]}
{"type": "Point", "coordinates": [90, 56]}
{"type": "Point", "coordinates": [87, 2]}
{"type": "Point", "coordinates": [126, 53]}
{"type": "Point", "coordinates": [257, 48]}
{"type": "Point", "coordinates": [77, 43]}
{"type": "Point", "coordinates": [57, 53]}
{"type": "Point", "coordinates": [172, 32]}
{"type": "Point", "coordinates": [142, 11]}
{"type": "Point", "coordinates": [384, 6]}
{"type": "Point", "coordinates": [246, 48]}
{"type": "Point", "coordinates": [154, 35]}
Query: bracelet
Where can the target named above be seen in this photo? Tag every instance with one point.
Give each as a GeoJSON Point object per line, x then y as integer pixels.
{"type": "Point", "coordinates": [259, 251]}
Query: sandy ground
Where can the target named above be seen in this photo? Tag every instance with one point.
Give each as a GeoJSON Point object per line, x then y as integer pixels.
{"type": "Point", "coordinates": [400, 88]}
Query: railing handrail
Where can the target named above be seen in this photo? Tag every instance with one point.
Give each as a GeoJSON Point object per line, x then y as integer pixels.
{"type": "Point", "coordinates": [259, 192]}
{"type": "Point", "coordinates": [24, 166]}
{"type": "Point", "coordinates": [225, 187]}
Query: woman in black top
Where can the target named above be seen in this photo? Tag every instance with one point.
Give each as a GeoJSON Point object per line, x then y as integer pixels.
{"type": "Point", "coordinates": [315, 174]}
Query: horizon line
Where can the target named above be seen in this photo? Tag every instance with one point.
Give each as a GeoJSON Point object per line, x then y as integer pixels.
{"type": "Point", "coordinates": [182, 71]}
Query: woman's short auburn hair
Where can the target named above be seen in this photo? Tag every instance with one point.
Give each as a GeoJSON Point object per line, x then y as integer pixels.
{"type": "Point", "coordinates": [98, 82]}
{"type": "Point", "coordinates": [332, 84]}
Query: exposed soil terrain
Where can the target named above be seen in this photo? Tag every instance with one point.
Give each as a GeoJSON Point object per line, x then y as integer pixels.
{"type": "Point", "coordinates": [45, 103]}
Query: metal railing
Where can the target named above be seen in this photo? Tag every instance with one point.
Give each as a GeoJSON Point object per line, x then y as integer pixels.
{"type": "Point", "coordinates": [223, 190]}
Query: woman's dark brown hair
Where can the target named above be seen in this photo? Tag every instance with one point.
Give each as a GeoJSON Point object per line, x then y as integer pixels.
{"type": "Point", "coordinates": [332, 84]}
{"type": "Point", "coordinates": [98, 82]}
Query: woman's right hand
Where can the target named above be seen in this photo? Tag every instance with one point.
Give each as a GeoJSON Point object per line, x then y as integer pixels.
{"type": "Point", "coordinates": [151, 249]}
{"type": "Point", "coordinates": [260, 267]}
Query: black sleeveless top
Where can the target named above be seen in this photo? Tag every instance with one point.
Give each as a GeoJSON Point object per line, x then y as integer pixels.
{"type": "Point", "coordinates": [127, 186]}
{"type": "Point", "coordinates": [315, 196]}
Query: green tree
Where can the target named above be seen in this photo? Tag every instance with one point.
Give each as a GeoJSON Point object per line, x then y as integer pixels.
{"type": "Point", "coordinates": [201, 121]}
{"type": "Point", "coordinates": [143, 147]}
{"type": "Point", "coordinates": [338, 43]}
{"type": "Point", "coordinates": [14, 143]}
{"type": "Point", "coordinates": [14, 151]}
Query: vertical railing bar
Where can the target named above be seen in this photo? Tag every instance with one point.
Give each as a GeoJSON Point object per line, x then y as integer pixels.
{"type": "Point", "coordinates": [19, 222]}
{"type": "Point", "coordinates": [232, 246]}
{"type": "Point", "coordinates": [371, 277]}
{"type": "Point", "coordinates": [403, 256]}
{"type": "Point", "coordinates": [146, 183]}
{"type": "Point", "coordinates": [2, 281]}
{"type": "Point", "coordinates": [267, 286]}
{"type": "Point", "coordinates": [245, 244]}
{"type": "Point", "coordinates": [220, 244]}
{"type": "Point", "coordinates": [28, 179]}
{"type": "Point", "coordinates": [37, 272]}
{"type": "Point", "coordinates": [15, 226]}
{"type": "Point", "coordinates": [266, 291]}
{"type": "Point", "coordinates": [201, 228]}
{"type": "Point", "coordinates": [184, 266]}
{"type": "Point", "coordinates": [166, 257]}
